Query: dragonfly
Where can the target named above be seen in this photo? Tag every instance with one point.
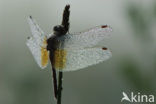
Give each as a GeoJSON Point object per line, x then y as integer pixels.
{"type": "Point", "coordinates": [67, 51]}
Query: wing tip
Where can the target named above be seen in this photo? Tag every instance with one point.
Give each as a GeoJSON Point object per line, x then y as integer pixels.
{"type": "Point", "coordinates": [30, 16]}
{"type": "Point", "coordinates": [107, 50]}
{"type": "Point", "coordinates": [30, 19]}
{"type": "Point", "coordinates": [28, 38]}
{"type": "Point", "coordinates": [106, 27]}
{"type": "Point", "coordinates": [104, 48]}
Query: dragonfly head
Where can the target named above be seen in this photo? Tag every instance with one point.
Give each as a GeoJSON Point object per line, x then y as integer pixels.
{"type": "Point", "coordinates": [59, 30]}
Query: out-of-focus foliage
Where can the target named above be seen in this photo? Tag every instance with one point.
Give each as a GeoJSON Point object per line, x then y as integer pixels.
{"type": "Point", "coordinates": [132, 70]}
{"type": "Point", "coordinates": [139, 19]}
{"type": "Point", "coordinates": [154, 9]}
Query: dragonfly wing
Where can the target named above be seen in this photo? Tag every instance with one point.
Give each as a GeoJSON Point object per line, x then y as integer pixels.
{"type": "Point", "coordinates": [37, 44]}
{"type": "Point", "coordinates": [36, 31]}
{"type": "Point", "coordinates": [39, 53]}
{"type": "Point", "coordinates": [88, 38]}
{"type": "Point", "coordinates": [72, 60]}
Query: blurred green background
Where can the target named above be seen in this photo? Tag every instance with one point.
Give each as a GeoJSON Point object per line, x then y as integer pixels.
{"type": "Point", "coordinates": [133, 43]}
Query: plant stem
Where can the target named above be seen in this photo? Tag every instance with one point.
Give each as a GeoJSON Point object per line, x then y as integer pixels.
{"type": "Point", "coordinates": [59, 93]}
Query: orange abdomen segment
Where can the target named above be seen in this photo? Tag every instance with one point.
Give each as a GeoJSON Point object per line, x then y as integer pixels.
{"type": "Point", "coordinates": [44, 57]}
{"type": "Point", "coordinates": [60, 59]}
{"type": "Point", "coordinates": [44, 54]}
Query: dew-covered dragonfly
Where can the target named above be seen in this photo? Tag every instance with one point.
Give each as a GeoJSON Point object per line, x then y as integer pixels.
{"type": "Point", "coordinates": [68, 51]}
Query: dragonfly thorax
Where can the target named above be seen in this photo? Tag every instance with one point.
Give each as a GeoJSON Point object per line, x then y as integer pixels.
{"type": "Point", "coordinates": [53, 42]}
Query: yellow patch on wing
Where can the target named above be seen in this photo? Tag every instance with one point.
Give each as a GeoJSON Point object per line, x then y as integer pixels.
{"type": "Point", "coordinates": [60, 59]}
{"type": "Point", "coordinates": [44, 54]}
